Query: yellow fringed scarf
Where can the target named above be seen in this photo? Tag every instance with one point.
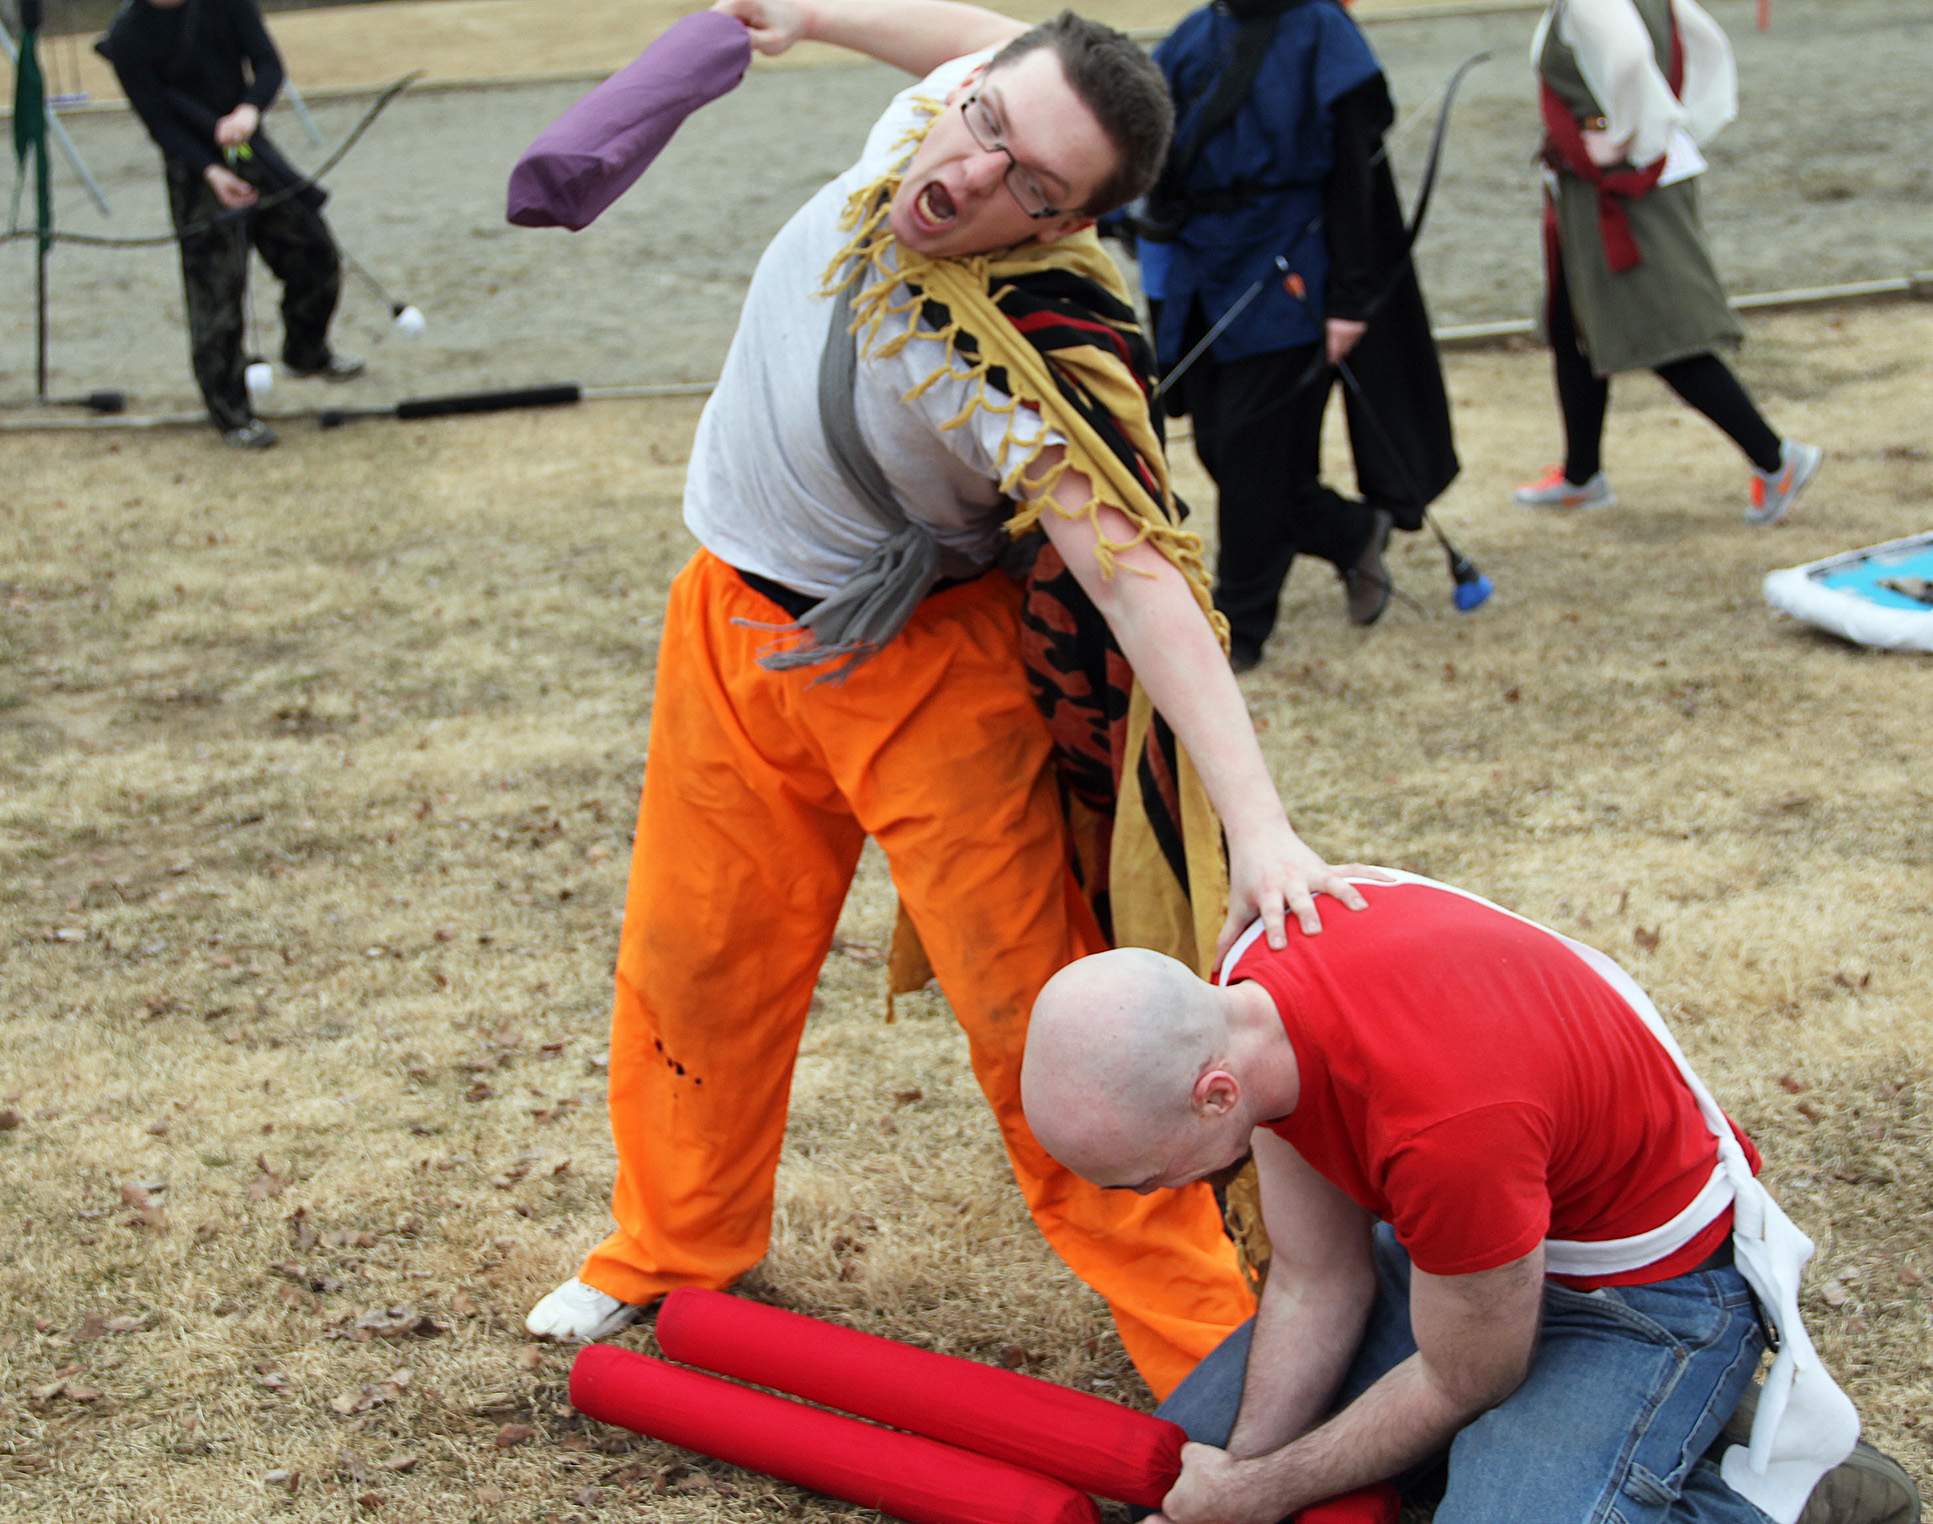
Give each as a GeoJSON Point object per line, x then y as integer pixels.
{"type": "Point", "coordinates": [1150, 908]}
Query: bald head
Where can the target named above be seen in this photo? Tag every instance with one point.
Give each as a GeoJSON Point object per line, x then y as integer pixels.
{"type": "Point", "coordinates": [1116, 1051]}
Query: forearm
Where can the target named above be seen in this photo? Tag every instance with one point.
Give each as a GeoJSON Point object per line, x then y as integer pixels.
{"type": "Point", "coordinates": [1475, 1337]}
{"type": "Point", "coordinates": [915, 35]}
{"type": "Point", "coordinates": [1398, 1423]}
{"type": "Point", "coordinates": [1305, 1337]}
{"type": "Point", "coordinates": [1175, 656]}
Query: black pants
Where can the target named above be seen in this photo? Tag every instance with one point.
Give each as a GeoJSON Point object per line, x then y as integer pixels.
{"type": "Point", "coordinates": [1264, 450]}
{"type": "Point", "coordinates": [1703, 381]}
{"type": "Point", "coordinates": [294, 242]}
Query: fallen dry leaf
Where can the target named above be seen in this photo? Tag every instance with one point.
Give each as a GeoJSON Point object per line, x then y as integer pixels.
{"type": "Point", "coordinates": [10, 1119]}
{"type": "Point", "coordinates": [352, 1467]}
{"type": "Point", "coordinates": [266, 1183]}
{"type": "Point", "coordinates": [1647, 937]}
{"type": "Point", "coordinates": [297, 1296]}
{"type": "Point", "coordinates": [374, 1395]}
{"type": "Point", "coordinates": [68, 1387]}
{"type": "Point", "coordinates": [530, 1359]}
{"type": "Point", "coordinates": [513, 1434]}
{"type": "Point", "coordinates": [397, 1323]}
{"type": "Point", "coordinates": [489, 1496]}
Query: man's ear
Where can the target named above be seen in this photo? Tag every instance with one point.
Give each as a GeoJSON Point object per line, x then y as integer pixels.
{"type": "Point", "coordinates": [1061, 227]}
{"type": "Point", "coordinates": [966, 86]}
{"type": "Point", "coordinates": [1215, 1093]}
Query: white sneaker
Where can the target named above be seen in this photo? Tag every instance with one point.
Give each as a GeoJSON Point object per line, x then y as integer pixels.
{"type": "Point", "coordinates": [579, 1314]}
{"type": "Point", "coordinates": [1554, 490]}
{"type": "Point", "coordinates": [1773, 491]}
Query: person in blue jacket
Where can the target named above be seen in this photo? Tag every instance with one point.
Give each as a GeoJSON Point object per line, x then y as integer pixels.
{"type": "Point", "coordinates": [1277, 200]}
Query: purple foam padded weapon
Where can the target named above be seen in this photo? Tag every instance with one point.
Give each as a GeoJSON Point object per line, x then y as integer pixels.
{"type": "Point", "coordinates": [595, 151]}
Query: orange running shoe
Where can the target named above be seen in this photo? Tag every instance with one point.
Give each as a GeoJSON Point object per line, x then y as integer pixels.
{"type": "Point", "coordinates": [1554, 490]}
{"type": "Point", "coordinates": [1773, 491]}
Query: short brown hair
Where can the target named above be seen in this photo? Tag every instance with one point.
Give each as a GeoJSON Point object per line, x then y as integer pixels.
{"type": "Point", "coordinates": [1120, 84]}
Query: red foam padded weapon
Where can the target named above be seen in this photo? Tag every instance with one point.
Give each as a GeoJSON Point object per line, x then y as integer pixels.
{"type": "Point", "coordinates": [988, 1446]}
{"type": "Point", "coordinates": [905, 1475]}
{"type": "Point", "coordinates": [1083, 1440]}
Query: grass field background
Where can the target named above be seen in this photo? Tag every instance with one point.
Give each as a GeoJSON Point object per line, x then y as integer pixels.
{"type": "Point", "coordinates": [317, 771]}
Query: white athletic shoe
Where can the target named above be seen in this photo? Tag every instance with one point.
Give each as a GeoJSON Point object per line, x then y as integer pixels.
{"type": "Point", "coordinates": [579, 1314]}
{"type": "Point", "coordinates": [1554, 490]}
{"type": "Point", "coordinates": [1773, 491]}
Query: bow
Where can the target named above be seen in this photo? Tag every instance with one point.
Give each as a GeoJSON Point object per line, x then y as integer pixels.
{"type": "Point", "coordinates": [1431, 164]}
{"type": "Point", "coordinates": [1413, 230]}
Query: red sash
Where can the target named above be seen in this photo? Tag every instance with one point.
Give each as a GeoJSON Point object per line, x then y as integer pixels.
{"type": "Point", "coordinates": [1564, 150]}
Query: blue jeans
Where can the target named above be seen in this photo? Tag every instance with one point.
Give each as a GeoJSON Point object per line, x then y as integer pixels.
{"type": "Point", "coordinates": [1629, 1387]}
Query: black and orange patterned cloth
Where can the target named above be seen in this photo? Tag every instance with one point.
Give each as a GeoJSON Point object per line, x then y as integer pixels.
{"type": "Point", "coordinates": [1048, 327]}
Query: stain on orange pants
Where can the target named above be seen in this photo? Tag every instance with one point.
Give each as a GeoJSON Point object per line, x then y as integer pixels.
{"type": "Point", "coordinates": [760, 789]}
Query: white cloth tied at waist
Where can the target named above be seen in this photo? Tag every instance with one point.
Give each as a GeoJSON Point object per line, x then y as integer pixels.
{"type": "Point", "coordinates": [1805, 1424]}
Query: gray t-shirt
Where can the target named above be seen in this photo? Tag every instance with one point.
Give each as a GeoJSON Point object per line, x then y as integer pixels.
{"type": "Point", "coordinates": [763, 491]}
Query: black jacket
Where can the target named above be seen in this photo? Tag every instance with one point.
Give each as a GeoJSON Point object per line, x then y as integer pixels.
{"type": "Point", "coordinates": [185, 67]}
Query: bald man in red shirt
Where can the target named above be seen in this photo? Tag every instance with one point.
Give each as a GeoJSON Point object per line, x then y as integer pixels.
{"type": "Point", "coordinates": [1511, 1226]}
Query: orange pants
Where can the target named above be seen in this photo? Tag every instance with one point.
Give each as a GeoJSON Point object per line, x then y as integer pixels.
{"type": "Point", "coordinates": [760, 789]}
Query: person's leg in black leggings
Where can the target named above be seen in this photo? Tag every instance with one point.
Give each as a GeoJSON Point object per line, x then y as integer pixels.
{"type": "Point", "coordinates": [1582, 395]}
{"type": "Point", "coordinates": [1708, 385]}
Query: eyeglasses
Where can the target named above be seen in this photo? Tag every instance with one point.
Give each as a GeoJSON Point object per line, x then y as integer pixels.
{"type": "Point", "coordinates": [1021, 183]}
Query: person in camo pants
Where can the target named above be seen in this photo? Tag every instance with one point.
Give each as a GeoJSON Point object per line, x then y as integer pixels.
{"type": "Point", "coordinates": [199, 73]}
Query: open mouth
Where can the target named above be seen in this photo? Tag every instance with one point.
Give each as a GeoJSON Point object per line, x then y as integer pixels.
{"type": "Point", "coordinates": [935, 205]}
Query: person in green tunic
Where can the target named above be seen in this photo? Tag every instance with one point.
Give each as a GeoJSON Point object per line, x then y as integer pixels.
{"type": "Point", "coordinates": [1630, 89]}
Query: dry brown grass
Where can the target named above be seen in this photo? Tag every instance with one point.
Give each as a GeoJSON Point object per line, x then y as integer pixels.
{"type": "Point", "coordinates": [318, 770]}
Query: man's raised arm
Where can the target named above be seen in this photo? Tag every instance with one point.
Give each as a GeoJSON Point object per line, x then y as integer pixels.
{"type": "Point", "coordinates": [915, 35]}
